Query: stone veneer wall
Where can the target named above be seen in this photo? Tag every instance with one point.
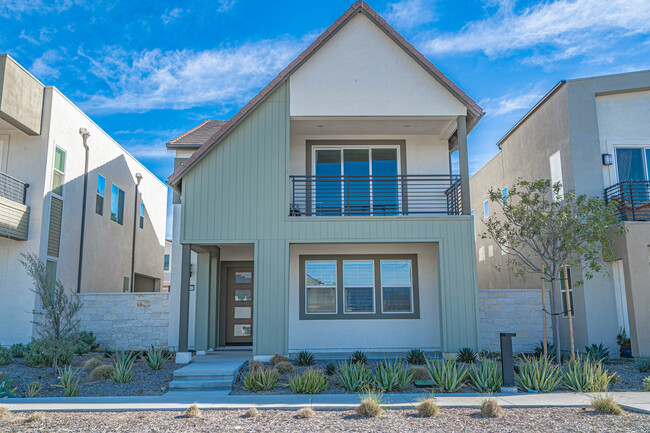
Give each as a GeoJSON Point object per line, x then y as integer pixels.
{"type": "Point", "coordinates": [126, 320]}
{"type": "Point", "coordinates": [512, 310]}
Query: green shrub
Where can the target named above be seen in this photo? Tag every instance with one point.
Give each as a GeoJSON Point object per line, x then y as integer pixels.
{"type": "Point", "coordinates": [358, 357]}
{"type": "Point", "coordinates": [155, 358]}
{"type": "Point", "coordinates": [330, 369]}
{"type": "Point", "coordinates": [122, 366]}
{"type": "Point", "coordinates": [646, 383]}
{"type": "Point", "coordinates": [33, 389]}
{"type": "Point", "coordinates": [447, 375]}
{"type": "Point", "coordinates": [491, 409]}
{"type": "Point", "coordinates": [416, 357]}
{"type": "Point", "coordinates": [92, 363]}
{"type": "Point", "coordinates": [284, 367]}
{"type": "Point", "coordinates": [486, 354]}
{"type": "Point", "coordinates": [427, 408]}
{"type": "Point", "coordinates": [392, 375]}
{"type": "Point", "coordinates": [7, 385]}
{"type": "Point", "coordinates": [538, 374]}
{"type": "Point", "coordinates": [102, 372]}
{"type": "Point", "coordinates": [260, 379]}
{"type": "Point", "coordinates": [305, 358]}
{"type": "Point", "coordinates": [370, 406]}
{"type": "Point", "coordinates": [69, 378]}
{"type": "Point", "coordinates": [597, 353]}
{"type": "Point", "coordinates": [643, 364]}
{"type": "Point", "coordinates": [487, 377]}
{"type": "Point", "coordinates": [354, 376]}
{"type": "Point", "coordinates": [606, 405]}
{"type": "Point", "coordinates": [309, 382]}
{"type": "Point", "coordinates": [466, 355]}
{"type": "Point", "coordinates": [36, 355]}
{"type": "Point", "coordinates": [585, 375]}
{"type": "Point", "coordinates": [18, 350]}
{"type": "Point", "coordinates": [420, 373]}
{"type": "Point", "coordinates": [539, 350]}
{"type": "Point", "coordinates": [277, 358]}
{"type": "Point", "coordinates": [5, 356]}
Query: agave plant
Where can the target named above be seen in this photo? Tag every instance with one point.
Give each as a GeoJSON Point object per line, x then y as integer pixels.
{"type": "Point", "coordinates": [156, 358]}
{"type": "Point", "coordinates": [585, 375]}
{"type": "Point", "coordinates": [330, 369]}
{"type": "Point", "coordinates": [538, 374]}
{"type": "Point", "coordinates": [354, 376]}
{"type": "Point", "coordinates": [643, 364]}
{"type": "Point", "coordinates": [392, 375]}
{"type": "Point", "coordinates": [358, 357]}
{"type": "Point", "coordinates": [122, 366]}
{"type": "Point", "coordinates": [7, 385]}
{"type": "Point", "coordinates": [466, 355]}
{"type": "Point", "coordinates": [309, 382]}
{"type": "Point", "coordinates": [416, 357]}
{"type": "Point", "coordinates": [487, 377]}
{"type": "Point", "coordinates": [305, 358]}
{"type": "Point", "coordinates": [597, 353]}
{"type": "Point", "coordinates": [447, 375]}
{"type": "Point", "coordinates": [260, 379]}
{"type": "Point", "coordinates": [69, 378]}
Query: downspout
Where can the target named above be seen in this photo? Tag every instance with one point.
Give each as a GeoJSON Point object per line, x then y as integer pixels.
{"type": "Point", "coordinates": [84, 135]}
{"type": "Point", "coordinates": [138, 177]}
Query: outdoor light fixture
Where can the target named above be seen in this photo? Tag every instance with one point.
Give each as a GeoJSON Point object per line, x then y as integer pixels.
{"type": "Point", "coordinates": [608, 159]}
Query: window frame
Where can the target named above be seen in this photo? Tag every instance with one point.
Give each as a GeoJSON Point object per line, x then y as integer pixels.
{"type": "Point", "coordinates": [396, 286]}
{"type": "Point", "coordinates": [373, 285]}
{"type": "Point", "coordinates": [504, 195]}
{"type": "Point", "coordinates": [57, 171]}
{"type": "Point", "coordinates": [142, 213]}
{"type": "Point", "coordinates": [378, 295]}
{"type": "Point", "coordinates": [306, 287]}
{"type": "Point", "coordinates": [98, 195]}
{"type": "Point", "coordinates": [563, 294]}
{"type": "Point", "coordinates": [486, 209]}
{"type": "Point", "coordinates": [166, 262]}
{"type": "Point", "coordinates": [117, 219]}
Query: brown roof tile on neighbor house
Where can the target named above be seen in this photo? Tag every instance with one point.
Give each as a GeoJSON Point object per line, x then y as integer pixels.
{"type": "Point", "coordinates": [358, 7]}
{"type": "Point", "coordinates": [196, 136]}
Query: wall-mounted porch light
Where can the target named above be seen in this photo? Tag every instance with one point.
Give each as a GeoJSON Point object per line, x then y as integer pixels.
{"type": "Point", "coordinates": [608, 159]}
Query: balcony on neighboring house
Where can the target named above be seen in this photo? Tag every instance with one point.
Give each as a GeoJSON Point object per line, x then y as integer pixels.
{"type": "Point", "coordinates": [375, 195]}
{"type": "Point", "coordinates": [631, 198]}
{"type": "Point", "coordinates": [14, 214]}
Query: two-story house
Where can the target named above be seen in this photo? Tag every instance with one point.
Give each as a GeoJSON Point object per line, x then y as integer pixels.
{"type": "Point", "coordinates": [593, 136]}
{"type": "Point", "coordinates": [324, 214]}
{"type": "Point", "coordinates": [76, 199]}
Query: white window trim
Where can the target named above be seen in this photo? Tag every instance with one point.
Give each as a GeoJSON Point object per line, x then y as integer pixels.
{"type": "Point", "coordinates": [118, 203]}
{"type": "Point", "coordinates": [563, 295]}
{"type": "Point", "coordinates": [610, 147]}
{"type": "Point", "coordinates": [336, 290]}
{"type": "Point", "coordinates": [54, 170]}
{"type": "Point", "coordinates": [643, 147]}
{"type": "Point", "coordinates": [486, 209]}
{"type": "Point", "coordinates": [372, 287]}
{"type": "Point", "coordinates": [399, 286]}
{"type": "Point", "coordinates": [142, 214]}
{"type": "Point", "coordinates": [98, 194]}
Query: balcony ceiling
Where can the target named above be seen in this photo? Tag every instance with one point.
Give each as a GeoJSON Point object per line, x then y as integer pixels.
{"type": "Point", "coordinates": [4, 125]}
{"type": "Point", "coordinates": [434, 125]}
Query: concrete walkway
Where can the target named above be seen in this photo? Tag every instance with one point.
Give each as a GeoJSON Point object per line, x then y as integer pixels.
{"type": "Point", "coordinates": [634, 401]}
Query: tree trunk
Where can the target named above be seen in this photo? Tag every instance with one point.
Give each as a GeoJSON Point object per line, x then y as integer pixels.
{"type": "Point", "coordinates": [556, 322]}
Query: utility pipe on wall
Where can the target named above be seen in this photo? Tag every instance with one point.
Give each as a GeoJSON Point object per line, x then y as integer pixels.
{"type": "Point", "coordinates": [84, 135]}
{"type": "Point", "coordinates": [138, 178]}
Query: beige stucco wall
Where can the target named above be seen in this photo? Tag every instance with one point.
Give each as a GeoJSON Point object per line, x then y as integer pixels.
{"type": "Point", "coordinates": [21, 97]}
{"type": "Point", "coordinates": [384, 334]}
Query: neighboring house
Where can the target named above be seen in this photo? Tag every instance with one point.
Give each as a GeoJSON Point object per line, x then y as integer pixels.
{"type": "Point", "coordinates": [323, 215]}
{"type": "Point", "coordinates": [44, 170]}
{"type": "Point", "coordinates": [593, 136]}
{"type": "Point", "coordinates": [167, 266]}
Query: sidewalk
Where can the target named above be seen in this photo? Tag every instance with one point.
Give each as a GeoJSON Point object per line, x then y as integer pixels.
{"type": "Point", "coordinates": [633, 401]}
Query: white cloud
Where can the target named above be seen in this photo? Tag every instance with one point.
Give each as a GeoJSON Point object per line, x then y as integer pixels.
{"type": "Point", "coordinates": [407, 14]}
{"type": "Point", "coordinates": [148, 151]}
{"type": "Point", "coordinates": [561, 29]}
{"type": "Point", "coordinates": [155, 79]}
{"type": "Point", "coordinates": [16, 8]}
{"type": "Point", "coordinates": [511, 102]}
{"type": "Point", "coordinates": [225, 5]}
{"type": "Point", "coordinates": [43, 67]}
{"type": "Point", "coordinates": [171, 15]}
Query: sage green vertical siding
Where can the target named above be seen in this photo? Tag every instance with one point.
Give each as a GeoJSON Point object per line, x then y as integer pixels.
{"type": "Point", "coordinates": [239, 192]}
{"type": "Point", "coordinates": [202, 311]}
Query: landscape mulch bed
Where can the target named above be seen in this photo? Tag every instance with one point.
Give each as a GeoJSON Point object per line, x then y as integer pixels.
{"type": "Point", "coordinates": [448, 420]}
{"type": "Point", "coordinates": [144, 382]}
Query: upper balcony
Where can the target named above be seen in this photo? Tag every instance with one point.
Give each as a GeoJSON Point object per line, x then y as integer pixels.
{"type": "Point", "coordinates": [632, 199]}
{"type": "Point", "coordinates": [14, 214]}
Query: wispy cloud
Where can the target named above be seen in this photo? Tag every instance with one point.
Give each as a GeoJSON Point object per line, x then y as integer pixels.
{"type": "Point", "coordinates": [156, 79]}
{"type": "Point", "coordinates": [171, 15]}
{"type": "Point", "coordinates": [555, 30]}
{"type": "Point", "coordinates": [406, 14]}
{"type": "Point", "coordinates": [15, 8]}
{"type": "Point", "coordinates": [510, 102]}
{"type": "Point", "coordinates": [225, 5]}
{"type": "Point", "coordinates": [44, 66]}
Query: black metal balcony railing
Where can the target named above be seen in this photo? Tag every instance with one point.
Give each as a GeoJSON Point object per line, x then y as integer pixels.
{"type": "Point", "coordinates": [375, 195]}
{"type": "Point", "coordinates": [632, 199]}
{"type": "Point", "coordinates": [12, 188]}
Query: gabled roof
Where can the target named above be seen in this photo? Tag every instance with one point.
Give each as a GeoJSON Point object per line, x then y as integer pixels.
{"type": "Point", "coordinates": [196, 136]}
{"type": "Point", "coordinates": [359, 7]}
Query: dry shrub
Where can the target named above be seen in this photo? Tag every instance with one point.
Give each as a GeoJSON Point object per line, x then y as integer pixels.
{"type": "Point", "coordinates": [491, 408]}
{"type": "Point", "coordinates": [92, 363]}
{"type": "Point", "coordinates": [277, 359]}
{"type": "Point", "coordinates": [305, 412]}
{"type": "Point", "coordinates": [4, 413]}
{"type": "Point", "coordinates": [370, 407]}
{"type": "Point", "coordinates": [35, 417]}
{"type": "Point", "coordinates": [253, 365]}
{"type": "Point", "coordinates": [251, 413]}
{"type": "Point", "coordinates": [193, 411]}
{"type": "Point", "coordinates": [284, 367]}
{"type": "Point", "coordinates": [427, 408]}
{"type": "Point", "coordinates": [606, 405]}
{"type": "Point", "coordinates": [102, 372]}
{"type": "Point", "coordinates": [420, 373]}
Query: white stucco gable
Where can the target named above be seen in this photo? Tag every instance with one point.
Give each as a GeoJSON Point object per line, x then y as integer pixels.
{"type": "Point", "coordinates": [361, 71]}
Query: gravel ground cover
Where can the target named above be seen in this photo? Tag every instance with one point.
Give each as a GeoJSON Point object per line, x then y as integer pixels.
{"type": "Point", "coordinates": [144, 382]}
{"type": "Point", "coordinates": [448, 420]}
{"type": "Point", "coordinates": [629, 377]}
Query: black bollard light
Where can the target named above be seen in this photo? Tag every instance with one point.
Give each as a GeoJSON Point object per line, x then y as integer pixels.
{"type": "Point", "coordinates": [507, 363]}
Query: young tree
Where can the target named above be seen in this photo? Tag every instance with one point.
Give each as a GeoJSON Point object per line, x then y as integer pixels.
{"type": "Point", "coordinates": [542, 230]}
{"type": "Point", "coordinates": [55, 321]}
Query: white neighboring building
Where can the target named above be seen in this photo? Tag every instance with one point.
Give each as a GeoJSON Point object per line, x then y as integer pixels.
{"type": "Point", "coordinates": [113, 244]}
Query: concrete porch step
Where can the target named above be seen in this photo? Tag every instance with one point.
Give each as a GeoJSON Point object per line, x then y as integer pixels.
{"type": "Point", "coordinates": [201, 385]}
{"type": "Point", "coordinates": [199, 375]}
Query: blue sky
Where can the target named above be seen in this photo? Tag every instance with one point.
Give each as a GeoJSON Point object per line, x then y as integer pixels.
{"type": "Point", "coordinates": [146, 71]}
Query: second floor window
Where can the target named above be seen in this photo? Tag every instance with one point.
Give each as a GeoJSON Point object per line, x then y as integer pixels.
{"type": "Point", "coordinates": [166, 263]}
{"type": "Point", "coordinates": [58, 175]}
{"type": "Point", "coordinates": [504, 195]}
{"type": "Point", "coordinates": [141, 215]}
{"type": "Point", "coordinates": [99, 197]}
{"type": "Point", "coordinates": [486, 209]}
{"type": "Point", "coordinates": [117, 205]}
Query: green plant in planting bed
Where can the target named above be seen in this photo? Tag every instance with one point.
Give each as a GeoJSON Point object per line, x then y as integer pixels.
{"type": "Point", "coordinates": [416, 357]}
{"type": "Point", "coordinates": [18, 350]}
{"type": "Point", "coordinates": [85, 342]}
{"type": "Point", "coordinates": [354, 377]}
{"type": "Point", "coordinates": [643, 364]}
{"type": "Point", "coordinates": [69, 378]}
{"type": "Point", "coordinates": [5, 356]}
{"type": "Point", "coordinates": [33, 389]}
{"type": "Point", "coordinates": [486, 354]}
{"type": "Point", "coordinates": [277, 358]}
{"type": "Point", "coordinates": [646, 383]}
{"type": "Point", "coordinates": [260, 379]}
{"type": "Point", "coordinates": [7, 385]}
{"type": "Point", "coordinates": [305, 358]}
{"type": "Point", "coordinates": [487, 377]}
{"type": "Point", "coordinates": [156, 358]}
{"type": "Point", "coordinates": [466, 355]}
{"type": "Point", "coordinates": [598, 353]}
{"type": "Point", "coordinates": [284, 367]}
{"type": "Point", "coordinates": [447, 375]}
{"type": "Point", "coordinates": [585, 375]}
{"type": "Point", "coordinates": [358, 357]}
{"type": "Point", "coordinates": [122, 366]}
{"type": "Point", "coordinates": [392, 375]}
{"type": "Point", "coordinates": [330, 369]}
{"type": "Point", "coordinates": [309, 382]}
{"type": "Point", "coordinates": [538, 374]}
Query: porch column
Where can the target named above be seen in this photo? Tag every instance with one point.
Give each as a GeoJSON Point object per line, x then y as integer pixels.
{"type": "Point", "coordinates": [463, 164]}
{"type": "Point", "coordinates": [185, 299]}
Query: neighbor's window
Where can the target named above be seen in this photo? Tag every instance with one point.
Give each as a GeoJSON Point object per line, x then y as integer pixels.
{"type": "Point", "coordinates": [359, 286]}
{"type": "Point", "coordinates": [396, 286]}
{"type": "Point", "coordinates": [99, 198]}
{"type": "Point", "coordinates": [504, 195]}
{"type": "Point", "coordinates": [320, 286]}
{"type": "Point", "coordinates": [563, 289]}
{"type": "Point", "coordinates": [486, 209]}
{"type": "Point", "coordinates": [117, 205]}
{"type": "Point", "coordinates": [141, 215]}
{"type": "Point", "coordinates": [166, 263]}
{"type": "Point", "coordinates": [125, 285]}
{"type": "Point", "coordinates": [58, 175]}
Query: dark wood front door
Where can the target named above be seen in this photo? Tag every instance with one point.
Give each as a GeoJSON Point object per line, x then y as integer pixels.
{"type": "Point", "coordinates": [239, 306]}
